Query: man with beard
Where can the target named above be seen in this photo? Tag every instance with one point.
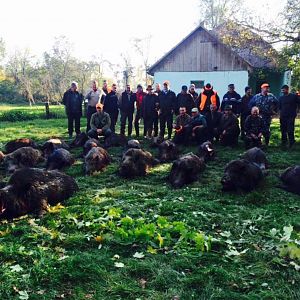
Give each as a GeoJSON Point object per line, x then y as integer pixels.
{"type": "Point", "coordinates": [229, 129]}
{"type": "Point", "coordinates": [181, 127]}
{"type": "Point", "coordinates": [126, 105]}
{"type": "Point", "coordinates": [245, 110]}
{"type": "Point", "coordinates": [111, 106]}
{"type": "Point", "coordinates": [254, 128]}
{"type": "Point", "coordinates": [149, 111]}
{"type": "Point", "coordinates": [167, 105]}
{"type": "Point", "coordinates": [185, 99]}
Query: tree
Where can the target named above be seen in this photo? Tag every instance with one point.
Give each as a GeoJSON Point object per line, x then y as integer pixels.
{"type": "Point", "coordinates": [21, 69]}
{"type": "Point", "coordinates": [142, 47]}
{"type": "Point", "coordinates": [215, 12]}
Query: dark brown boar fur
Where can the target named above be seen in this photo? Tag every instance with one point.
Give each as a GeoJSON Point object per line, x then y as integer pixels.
{"type": "Point", "coordinates": [22, 158]}
{"type": "Point", "coordinates": [12, 146]}
{"type": "Point", "coordinates": [256, 156]}
{"type": "Point", "coordinates": [240, 174]}
{"type": "Point", "coordinates": [96, 160]}
{"type": "Point", "coordinates": [79, 140]}
{"type": "Point", "coordinates": [31, 190]}
{"type": "Point", "coordinates": [185, 170]}
{"type": "Point", "coordinates": [167, 151]}
{"type": "Point", "coordinates": [51, 145]}
{"type": "Point", "coordinates": [89, 144]}
{"type": "Point", "coordinates": [136, 162]}
{"type": "Point", "coordinates": [60, 159]}
{"type": "Point", "coordinates": [291, 179]}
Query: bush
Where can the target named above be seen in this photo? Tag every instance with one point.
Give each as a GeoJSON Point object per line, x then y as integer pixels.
{"type": "Point", "coordinates": [16, 115]}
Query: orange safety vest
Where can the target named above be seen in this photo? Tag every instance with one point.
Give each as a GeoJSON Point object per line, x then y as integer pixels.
{"type": "Point", "coordinates": [213, 100]}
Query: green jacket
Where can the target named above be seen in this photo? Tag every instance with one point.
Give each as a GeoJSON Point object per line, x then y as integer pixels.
{"type": "Point", "coordinates": [100, 121]}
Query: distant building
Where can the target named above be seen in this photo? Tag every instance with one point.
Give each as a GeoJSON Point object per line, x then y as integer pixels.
{"type": "Point", "coordinates": [220, 57]}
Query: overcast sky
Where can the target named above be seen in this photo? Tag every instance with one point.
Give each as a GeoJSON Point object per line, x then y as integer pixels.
{"type": "Point", "coordinates": [105, 27]}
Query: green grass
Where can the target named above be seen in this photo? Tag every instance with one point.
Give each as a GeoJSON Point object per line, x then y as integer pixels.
{"type": "Point", "coordinates": [60, 258]}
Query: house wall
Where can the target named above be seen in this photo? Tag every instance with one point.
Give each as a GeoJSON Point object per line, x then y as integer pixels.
{"type": "Point", "coordinates": [200, 52]}
{"type": "Point", "coordinates": [219, 80]}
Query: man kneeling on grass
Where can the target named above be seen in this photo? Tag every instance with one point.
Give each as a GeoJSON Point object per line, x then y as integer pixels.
{"type": "Point", "coordinates": [100, 123]}
{"type": "Point", "coordinates": [254, 128]}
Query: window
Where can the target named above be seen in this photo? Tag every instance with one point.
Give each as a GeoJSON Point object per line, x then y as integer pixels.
{"type": "Point", "coordinates": [199, 84]}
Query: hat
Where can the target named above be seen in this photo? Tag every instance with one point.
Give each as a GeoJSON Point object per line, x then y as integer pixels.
{"type": "Point", "coordinates": [265, 85]}
{"type": "Point", "coordinates": [192, 86]}
{"type": "Point", "coordinates": [139, 86]}
{"type": "Point", "coordinates": [74, 83]}
{"type": "Point", "coordinates": [184, 87]}
{"type": "Point", "coordinates": [195, 109]}
{"type": "Point", "coordinates": [228, 107]}
{"type": "Point", "coordinates": [208, 86]}
{"type": "Point", "coordinates": [99, 105]}
{"type": "Point", "coordinates": [247, 88]}
{"type": "Point", "coordinates": [285, 87]}
{"type": "Point", "coordinates": [149, 87]}
{"type": "Point", "coordinates": [231, 85]}
{"type": "Point", "coordinates": [166, 82]}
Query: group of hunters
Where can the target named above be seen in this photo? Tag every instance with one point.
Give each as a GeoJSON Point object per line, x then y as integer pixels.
{"type": "Point", "coordinates": [198, 118]}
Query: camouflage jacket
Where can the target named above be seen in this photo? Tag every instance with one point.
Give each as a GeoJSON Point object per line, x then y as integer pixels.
{"type": "Point", "coordinates": [267, 105]}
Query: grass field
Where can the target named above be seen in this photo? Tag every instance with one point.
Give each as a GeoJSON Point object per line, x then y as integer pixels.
{"type": "Point", "coordinates": [119, 239]}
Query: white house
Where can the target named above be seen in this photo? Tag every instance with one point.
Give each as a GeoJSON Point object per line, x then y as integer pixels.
{"type": "Point", "coordinates": [202, 58]}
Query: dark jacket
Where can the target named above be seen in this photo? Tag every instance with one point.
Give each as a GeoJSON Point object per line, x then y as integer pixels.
{"type": "Point", "coordinates": [213, 119]}
{"type": "Point", "coordinates": [194, 95]}
{"type": "Point", "coordinates": [111, 104]}
{"type": "Point", "coordinates": [73, 102]}
{"type": "Point", "coordinates": [229, 123]}
{"type": "Point", "coordinates": [100, 121]}
{"type": "Point", "coordinates": [245, 110]}
{"type": "Point", "coordinates": [167, 102]}
{"type": "Point", "coordinates": [198, 120]}
{"type": "Point", "coordinates": [185, 100]}
{"type": "Point", "coordinates": [288, 105]}
{"type": "Point", "coordinates": [254, 125]}
{"type": "Point", "coordinates": [127, 102]}
{"type": "Point", "coordinates": [233, 99]}
{"type": "Point", "coordinates": [149, 106]}
{"type": "Point", "coordinates": [183, 120]}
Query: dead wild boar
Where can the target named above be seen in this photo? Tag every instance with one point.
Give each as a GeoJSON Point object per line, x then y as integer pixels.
{"type": "Point", "coordinates": [185, 170]}
{"type": "Point", "coordinates": [241, 174]}
{"type": "Point", "coordinates": [51, 145]}
{"type": "Point", "coordinates": [79, 140]}
{"type": "Point", "coordinates": [30, 190]}
{"type": "Point", "coordinates": [60, 159]}
{"type": "Point", "coordinates": [207, 151]}
{"type": "Point", "coordinates": [256, 156]}
{"type": "Point", "coordinates": [21, 158]}
{"type": "Point", "coordinates": [89, 144]}
{"type": "Point", "coordinates": [167, 151]}
{"type": "Point", "coordinates": [12, 146]}
{"type": "Point", "coordinates": [136, 162]}
{"type": "Point", "coordinates": [96, 160]}
{"type": "Point", "coordinates": [291, 179]}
